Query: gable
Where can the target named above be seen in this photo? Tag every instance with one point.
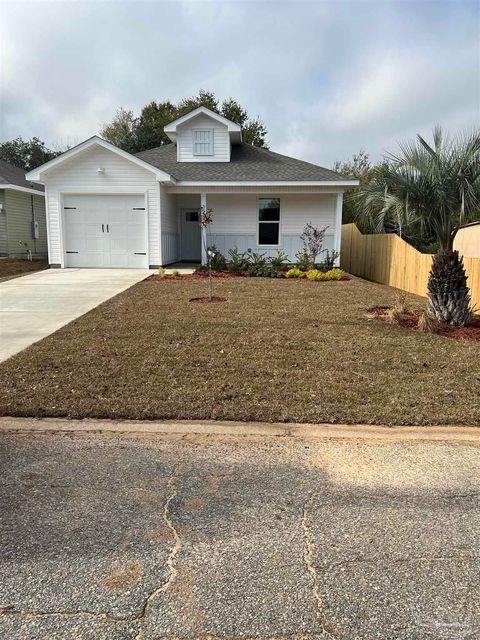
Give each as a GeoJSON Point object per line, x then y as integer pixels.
{"type": "Point", "coordinates": [94, 143]}
{"type": "Point", "coordinates": [203, 139]}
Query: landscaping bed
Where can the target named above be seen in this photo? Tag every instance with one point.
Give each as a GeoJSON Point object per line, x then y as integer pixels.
{"type": "Point", "coordinates": [274, 351]}
{"type": "Point", "coordinates": [411, 319]}
{"type": "Point", "coordinates": [12, 267]}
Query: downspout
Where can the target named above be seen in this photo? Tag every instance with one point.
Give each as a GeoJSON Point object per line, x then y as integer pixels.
{"type": "Point", "coordinates": [33, 224]}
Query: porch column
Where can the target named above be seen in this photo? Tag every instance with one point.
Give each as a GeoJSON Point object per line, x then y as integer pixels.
{"type": "Point", "coordinates": [338, 227]}
{"type": "Point", "coordinates": [203, 231]}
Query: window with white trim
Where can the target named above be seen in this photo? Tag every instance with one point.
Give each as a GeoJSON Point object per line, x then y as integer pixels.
{"type": "Point", "coordinates": [269, 221]}
{"type": "Point", "coordinates": [203, 142]}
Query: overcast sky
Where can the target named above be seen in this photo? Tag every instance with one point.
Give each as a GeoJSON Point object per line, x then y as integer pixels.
{"type": "Point", "coordinates": [327, 78]}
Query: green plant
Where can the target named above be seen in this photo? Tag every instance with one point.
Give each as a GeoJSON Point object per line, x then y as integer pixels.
{"type": "Point", "coordinates": [238, 262]}
{"type": "Point", "coordinates": [175, 273]}
{"type": "Point", "coordinates": [335, 274]}
{"type": "Point", "coordinates": [329, 260]}
{"type": "Point", "coordinates": [295, 273]}
{"type": "Point", "coordinates": [279, 260]}
{"type": "Point", "coordinates": [317, 275]}
{"type": "Point", "coordinates": [161, 272]}
{"type": "Point", "coordinates": [435, 188]}
{"type": "Point", "coordinates": [302, 260]}
{"type": "Point", "coordinates": [258, 265]}
{"type": "Point", "coordinates": [218, 261]}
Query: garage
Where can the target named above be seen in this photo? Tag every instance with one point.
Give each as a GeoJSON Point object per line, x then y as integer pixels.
{"type": "Point", "coordinates": [105, 231]}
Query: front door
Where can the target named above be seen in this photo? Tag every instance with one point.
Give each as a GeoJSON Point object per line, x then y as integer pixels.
{"type": "Point", "coordinates": [191, 236]}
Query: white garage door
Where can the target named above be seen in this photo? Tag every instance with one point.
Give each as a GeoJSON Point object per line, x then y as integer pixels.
{"type": "Point", "coordinates": [105, 231]}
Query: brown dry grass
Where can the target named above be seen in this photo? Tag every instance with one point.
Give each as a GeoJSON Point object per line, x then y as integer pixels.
{"type": "Point", "coordinates": [277, 350]}
{"type": "Point", "coordinates": [12, 268]}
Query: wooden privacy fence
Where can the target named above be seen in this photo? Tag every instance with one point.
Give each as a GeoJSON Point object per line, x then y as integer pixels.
{"type": "Point", "coordinates": [388, 259]}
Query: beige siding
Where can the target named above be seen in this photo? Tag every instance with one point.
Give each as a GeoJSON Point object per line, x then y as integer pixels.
{"type": "Point", "coordinates": [18, 206]}
{"type": "Point", "coordinates": [3, 225]}
{"type": "Point", "coordinates": [221, 140]}
{"type": "Point", "coordinates": [79, 175]}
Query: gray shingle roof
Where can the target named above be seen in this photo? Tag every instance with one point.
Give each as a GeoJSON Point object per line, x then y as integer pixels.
{"type": "Point", "coordinates": [9, 174]}
{"type": "Point", "coordinates": [246, 163]}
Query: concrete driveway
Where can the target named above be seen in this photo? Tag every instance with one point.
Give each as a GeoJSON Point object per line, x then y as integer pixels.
{"type": "Point", "coordinates": [35, 305]}
{"type": "Point", "coordinates": [210, 535]}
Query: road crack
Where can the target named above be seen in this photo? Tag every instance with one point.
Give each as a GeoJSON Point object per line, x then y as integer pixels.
{"type": "Point", "coordinates": [309, 547]}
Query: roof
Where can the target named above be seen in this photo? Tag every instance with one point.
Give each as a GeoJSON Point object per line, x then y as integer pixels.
{"type": "Point", "coordinates": [247, 163]}
{"type": "Point", "coordinates": [12, 175]}
{"type": "Point", "coordinates": [234, 129]}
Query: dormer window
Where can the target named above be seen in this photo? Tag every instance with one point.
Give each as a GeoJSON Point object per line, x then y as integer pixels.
{"type": "Point", "coordinates": [203, 142]}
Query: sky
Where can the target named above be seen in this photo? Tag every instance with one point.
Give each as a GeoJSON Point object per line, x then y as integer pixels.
{"type": "Point", "coordinates": [328, 78]}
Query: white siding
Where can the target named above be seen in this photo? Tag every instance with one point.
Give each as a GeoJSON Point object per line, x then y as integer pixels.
{"type": "Point", "coordinates": [221, 140]}
{"type": "Point", "coordinates": [235, 220]}
{"type": "Point", "coordinates": [170, 234]}
{"type": "Point", "coordinates": [79, 175]}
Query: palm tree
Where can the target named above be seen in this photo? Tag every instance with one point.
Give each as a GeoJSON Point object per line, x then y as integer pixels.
{"type": "Point", "coordinates": [435, 188]}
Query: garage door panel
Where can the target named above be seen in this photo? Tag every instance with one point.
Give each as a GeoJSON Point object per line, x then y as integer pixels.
{"type": "Point", "coordinates": [105, 231]}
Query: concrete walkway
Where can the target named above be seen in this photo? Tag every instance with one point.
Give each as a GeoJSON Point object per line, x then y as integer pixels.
{"type": "Point", "coordinates": [35, 305]}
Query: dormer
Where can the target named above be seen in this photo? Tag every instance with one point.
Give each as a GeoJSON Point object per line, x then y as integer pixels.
{"type": "Point", "coordinates": [203, 136]}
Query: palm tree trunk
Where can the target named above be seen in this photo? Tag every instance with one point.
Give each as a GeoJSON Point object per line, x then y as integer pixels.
{"type": "Point", "coordinates": [448, 293]}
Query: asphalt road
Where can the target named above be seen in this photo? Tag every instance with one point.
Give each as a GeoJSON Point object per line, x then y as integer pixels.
{"type": "Point", "coordinates": [197, 536]}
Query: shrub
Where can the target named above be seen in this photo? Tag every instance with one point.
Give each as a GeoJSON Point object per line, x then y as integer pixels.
{"type": "Point", "coordinates": [312, 240]}
{"type": "Point", "coordinates": [303, 261]}
{"type": "Point", "coordinates": [238, 262]}
{"type": "Point", "coordinates": [279, 260]}
{"type": "Point", "coordinates": [295, 273]}
{"type": "Point", "coordinates": [175, 273]}
{"type": "Point", "coordinates": [161, 271]}
{"type": "Point", "coordinates": [317, 275]}
{"type": "Point", "coordinates": [218, 261]}
{"type": "Point", "coordinates": [328, 262]}
{"type": "Point", "coordinates": [335, 274]}
{"type": "Point", "coordinates": [258, 265]}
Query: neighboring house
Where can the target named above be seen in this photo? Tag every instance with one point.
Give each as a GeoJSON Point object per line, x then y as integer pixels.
{"type": "Point", "coordinates": [467, 240]}
{"type": "Point", "coordinates": [22, 214]}
{"type": "Point", "coordinates": [108, 208]}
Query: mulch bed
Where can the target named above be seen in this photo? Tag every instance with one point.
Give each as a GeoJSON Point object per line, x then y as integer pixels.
{"type": "Point", "coordinates": [222, 275]}
{"type": "Point", "coordinates": [409, 320]}
{"type": "Point", "coordinates": [206, 299]}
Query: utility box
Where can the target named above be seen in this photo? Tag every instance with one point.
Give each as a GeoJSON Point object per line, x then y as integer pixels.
{"type": "Point", "coordinates": [35, 231]}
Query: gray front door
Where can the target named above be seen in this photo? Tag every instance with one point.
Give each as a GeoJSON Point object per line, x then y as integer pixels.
{"type": "Point", "coordinates": [191, 238]}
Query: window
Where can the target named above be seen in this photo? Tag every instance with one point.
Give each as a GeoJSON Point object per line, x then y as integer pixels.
{"type": "Point", "coordinates": [191, 216]}
{"type": "Point", "coordinates": [269, 221]}
{"type": "Point", "coordinates": [203, 142]}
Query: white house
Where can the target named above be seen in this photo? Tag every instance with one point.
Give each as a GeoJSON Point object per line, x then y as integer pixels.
{"type": "Point", "coordinates": [108, 208]}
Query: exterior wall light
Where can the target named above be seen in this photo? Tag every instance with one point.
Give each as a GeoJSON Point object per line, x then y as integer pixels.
{"type": "Point", "coordinates": [101, 171]}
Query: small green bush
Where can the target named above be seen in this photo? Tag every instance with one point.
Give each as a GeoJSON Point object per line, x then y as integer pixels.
{"type": "Point", "coordinates": [161, 272]}
{"type": "Point", "coordinates": [238, 262]}
{"type": "Point", "coordinates": [175, 273]}
{"type": "Point", "coordinates": [335, 274]}
{"type": "Point", "coordinates": [279, 260]}
{"type": "Point", "coordinates": [318, 276]}
{"type": "Point", "coordinates": [329, 260]}
{"type": "Point", "coordinates": [295, 273]}
{"type": "Point", "coordinates": [218, 262]}
{"type": "Point", "coordinates": [303, 260]}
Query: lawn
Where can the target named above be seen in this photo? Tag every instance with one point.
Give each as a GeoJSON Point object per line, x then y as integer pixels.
{"type": "Point", "coordinates": [278, 350]}
{"type": "Point", "coordinates": [12, 268]}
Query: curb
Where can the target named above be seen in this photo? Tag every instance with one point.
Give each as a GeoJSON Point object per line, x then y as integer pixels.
{"type": "Point", "coordinates": [440, 433]}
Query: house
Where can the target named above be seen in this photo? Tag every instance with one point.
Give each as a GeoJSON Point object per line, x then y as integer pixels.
{"type": "Point", "coordinates": [22, 215]}
{"type": "Point", "coordinates": [108, 208]}
{"type": "Point", "coordinates": [467, 240]}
